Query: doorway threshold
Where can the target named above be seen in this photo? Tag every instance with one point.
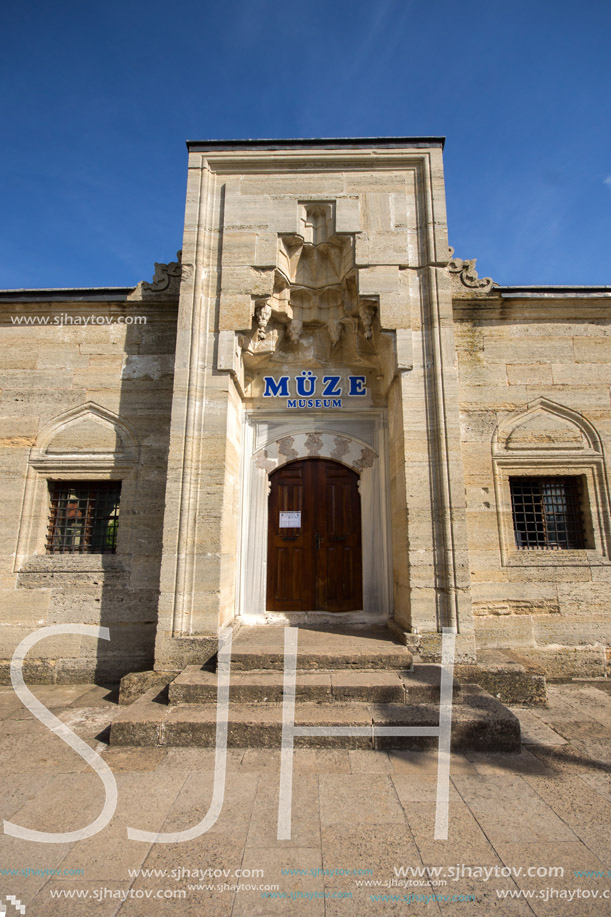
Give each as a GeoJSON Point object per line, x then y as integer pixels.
{"type": "Point", "coordinates": [302, 618]}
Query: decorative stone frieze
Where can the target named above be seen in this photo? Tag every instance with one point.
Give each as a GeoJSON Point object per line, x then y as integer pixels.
{"type": "Point", "coordinates": [315, 445]}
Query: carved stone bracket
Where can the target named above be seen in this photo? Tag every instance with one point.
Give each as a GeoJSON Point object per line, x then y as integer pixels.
{"type": "Point", "coordinates": [263, 313]}
{"type": "Point", "coordinates": [295, 330]}
{"type": "Point", "coordinates": [467, 275]}
{"type": "Point", "coordinates": [367, 312]}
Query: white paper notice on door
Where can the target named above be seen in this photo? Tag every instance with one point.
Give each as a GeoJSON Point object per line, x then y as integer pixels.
{"type": "Point", "coordinates": [290, 520]}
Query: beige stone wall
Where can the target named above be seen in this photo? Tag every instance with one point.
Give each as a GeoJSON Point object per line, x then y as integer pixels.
{"type": "Point", "coordinates": [331, 261]}
{"type": "Point", "coordinates": [534, 399]}
{"type": "Point", "coordinates": [49, 374]}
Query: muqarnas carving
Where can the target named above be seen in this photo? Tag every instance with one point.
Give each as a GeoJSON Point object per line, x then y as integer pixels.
{"type": "Point", "coordinates": [315, 314]}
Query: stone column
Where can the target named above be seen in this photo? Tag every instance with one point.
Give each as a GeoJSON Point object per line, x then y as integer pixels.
{"type": "Point", "coordinates": [431, 566]}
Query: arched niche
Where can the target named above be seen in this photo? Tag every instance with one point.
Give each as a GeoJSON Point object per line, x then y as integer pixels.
{"type": "Point", "coordinates": [546, 425]}
{"type": "Point", "coordinates": [548, 439]}
{"type": "Point", "coordinates": [86, 443]}
{"type": "Point", "coordinates": [88, 429]}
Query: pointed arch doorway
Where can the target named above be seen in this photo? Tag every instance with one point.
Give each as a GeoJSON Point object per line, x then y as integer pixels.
{"type": "Point", "coordinates": [314, 554]}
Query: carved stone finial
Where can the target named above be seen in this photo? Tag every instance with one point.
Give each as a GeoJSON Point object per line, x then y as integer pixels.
{"type": "Point", "coordinates": [165, 283]}
{"type": "Point", "coordinates": [466, 273]}
{"type": "Point", "coordinates": [317, 221]}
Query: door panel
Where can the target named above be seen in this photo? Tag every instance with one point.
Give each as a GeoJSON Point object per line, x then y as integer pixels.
{"type": "Point", "coordinates": [290, 561]}
{"type": "Point", "coordinates": [316, 566]}
{"type": "Point", "coordinates": [338, 574]}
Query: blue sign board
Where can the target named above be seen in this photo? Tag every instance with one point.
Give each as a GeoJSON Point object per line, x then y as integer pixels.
{"type": "Point", "coordinates": [305, 392]}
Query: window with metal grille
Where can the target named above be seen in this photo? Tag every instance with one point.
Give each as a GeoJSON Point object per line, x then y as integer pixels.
{"type": "Point", "coordinates": [84, 517]}
{"type": "Point", "coordinates": [547, 512]}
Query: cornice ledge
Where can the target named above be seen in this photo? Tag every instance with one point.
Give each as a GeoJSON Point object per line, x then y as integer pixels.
{"type": "Point", "coordinates": [222, 161]}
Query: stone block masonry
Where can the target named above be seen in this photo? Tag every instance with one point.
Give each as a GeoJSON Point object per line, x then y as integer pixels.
{"type": "Point", "coordinates": [315, 317]}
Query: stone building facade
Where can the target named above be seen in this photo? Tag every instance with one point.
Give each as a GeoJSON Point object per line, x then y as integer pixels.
{"type": "Point", "coordinates": [316, 415]}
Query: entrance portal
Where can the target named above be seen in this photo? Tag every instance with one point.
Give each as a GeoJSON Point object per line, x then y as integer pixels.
{"type": "Point", "coordinates": [314, 541]}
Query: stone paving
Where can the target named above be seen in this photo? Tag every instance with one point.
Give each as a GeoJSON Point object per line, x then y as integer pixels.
{"type": "Point", "coordinates": [549, 806]}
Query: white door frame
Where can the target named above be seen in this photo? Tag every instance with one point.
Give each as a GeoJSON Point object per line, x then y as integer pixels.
{"type": "Point", "coordinates": [357, 440]}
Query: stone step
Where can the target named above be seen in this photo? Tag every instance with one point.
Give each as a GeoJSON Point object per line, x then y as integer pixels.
{"type": "Point", "coordinates": [197, 686]}
{"type": "Point", "coordinates": [479, 722]}
{"type": "Point", "coordinates": [263, 648]}
{"type": "Point", "coordinates": [501, 674]}
{"type": "Point", "coordinates": [247, 660]}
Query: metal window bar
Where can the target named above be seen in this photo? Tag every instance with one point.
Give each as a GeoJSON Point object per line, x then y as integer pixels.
{"type": "Point", "coordinates": [547, 513]}
{"type": "Point", "coordinates": [84, 517]}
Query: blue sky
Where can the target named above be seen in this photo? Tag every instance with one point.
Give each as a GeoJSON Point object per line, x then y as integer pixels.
{"type": "Point", "coordinates": [98, 99]}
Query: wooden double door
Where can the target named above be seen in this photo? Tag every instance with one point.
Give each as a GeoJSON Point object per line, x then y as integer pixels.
{"type": "Point", "coordinates": [314, 543]}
